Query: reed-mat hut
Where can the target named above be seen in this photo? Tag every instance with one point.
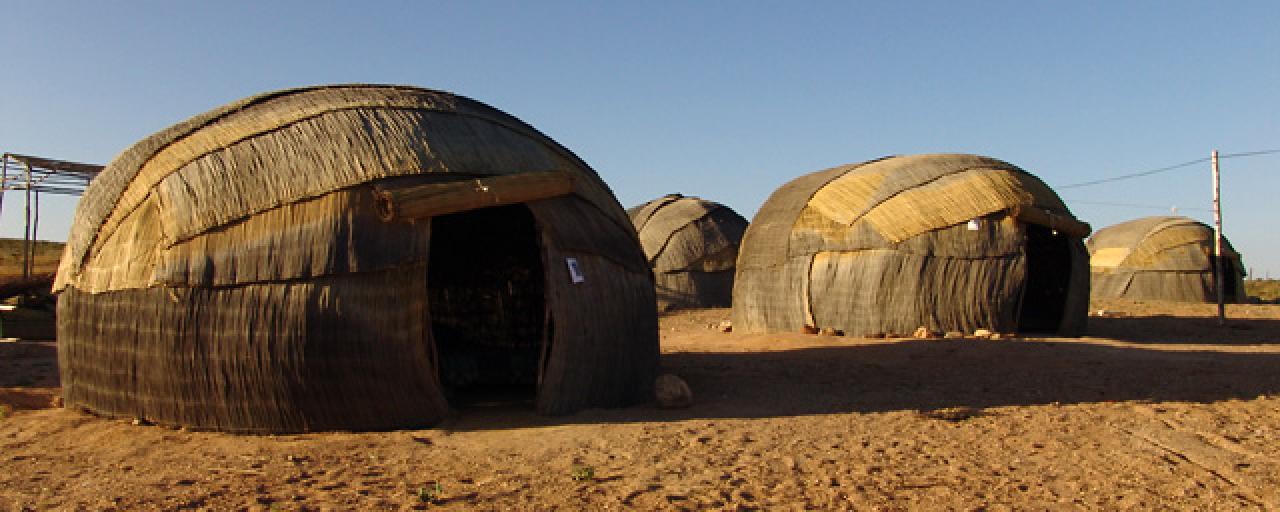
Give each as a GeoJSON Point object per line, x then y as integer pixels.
{"type": "Point", "coordinates": [354, 258]}
{"type": "Point", "coordinates": [948, 242]}
{"type": "Point", "coordinates": [691, 244]}
{"type": "Point", "coordinates": [1162, 258]}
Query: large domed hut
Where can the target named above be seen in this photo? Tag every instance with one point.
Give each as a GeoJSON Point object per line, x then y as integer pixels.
{"type": "Point", "coordinates": [1162, 258]}
{"type": "Point", "coordinates": [350, 257]}
{"type": "Point", "coordinates": [691, 244]}
{"type": "Point", "coordinates": [946, 241]}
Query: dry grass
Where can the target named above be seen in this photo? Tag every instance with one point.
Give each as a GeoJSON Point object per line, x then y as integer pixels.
{"type": "Point", "coordinates": [47, 256]}
{"type": "Point", "coordinates": [1264, 289]}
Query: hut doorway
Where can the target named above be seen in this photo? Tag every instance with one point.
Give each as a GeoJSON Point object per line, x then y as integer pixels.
{"type": "Point", "coordinates": [1228, 278]}
{"type": "Point", "coordinates": [485, 297]}
{"type": "Point", "coordinates": [1044, 295]}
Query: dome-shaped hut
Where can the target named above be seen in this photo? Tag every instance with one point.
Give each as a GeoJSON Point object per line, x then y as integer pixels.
{"type": "Point", "coordinates": [691, 244]}
{"type": "Point", "coordinates": [350, 257]}
{"type": "Point", "coordinates": [1162, 258]}
{"type": "Point", "coordinates": [948, 242]}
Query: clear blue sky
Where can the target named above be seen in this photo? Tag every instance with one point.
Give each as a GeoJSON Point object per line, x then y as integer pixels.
{"type": "Point", "coordinates": [726, 100]}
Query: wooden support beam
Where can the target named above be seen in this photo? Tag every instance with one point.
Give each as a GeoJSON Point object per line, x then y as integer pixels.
{"type": "Point", "coordinates": [1060, 223]}
{"type": "Point", "coordinates": [432, 199]}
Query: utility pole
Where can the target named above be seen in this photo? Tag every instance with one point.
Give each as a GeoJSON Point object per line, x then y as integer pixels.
{"type": "Point", "coordinates": [1217, 241]}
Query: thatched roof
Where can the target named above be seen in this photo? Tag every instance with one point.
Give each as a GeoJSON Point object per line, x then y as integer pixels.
{"type": "Point", "coordinates": [691, 244]}
{"type": "Point", "coordinates": [263, 266]}
{"type": "Point", "coordinates": [1160, 258]}
{"type": "Point", "coordinates": [1155, 243]}
{"type": "Point", "coordinates": [834, 239]}
{"type": "Point", "coordinates": [288, 146]}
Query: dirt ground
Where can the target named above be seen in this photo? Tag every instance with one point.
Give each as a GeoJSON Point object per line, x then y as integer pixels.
{"type": "Point", "coordinates": [1156, 408]}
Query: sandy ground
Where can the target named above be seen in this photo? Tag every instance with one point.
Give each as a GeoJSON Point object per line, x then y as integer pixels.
{"type": "Point", "coordinates": [1157, 408]}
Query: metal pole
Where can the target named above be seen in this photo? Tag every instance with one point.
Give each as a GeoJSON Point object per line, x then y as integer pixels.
{"type": "Point", "coordinates": [4, 179]}
{"type": "Point", "coordinates": [35, 230]}
{"type": "Point", "coordinates": [26, 233]}
{"type": "Point", "coordinates": [1217, 241]}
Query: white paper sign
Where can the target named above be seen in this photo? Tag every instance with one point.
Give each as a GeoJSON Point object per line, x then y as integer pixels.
{"type": "Point", "coordinates": [575, 272]}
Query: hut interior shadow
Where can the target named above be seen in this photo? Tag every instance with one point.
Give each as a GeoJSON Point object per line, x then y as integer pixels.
{"type": "Point", "coordinates": [1045, 292]}
{"type": "Point", "coordinates": [485, 295]}
{"type": "Point", "coordinates": [1228, 269]}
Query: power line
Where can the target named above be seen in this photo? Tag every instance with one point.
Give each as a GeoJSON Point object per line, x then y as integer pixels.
{"type": "Point", "coordinates": [1134, 205]}
{"type": "Point", "coordinates": [1167, 169]}
{"type": "Point", "coordinates": [1249, 153]}
{"type": "Point", "coordinates": [1136, 174]}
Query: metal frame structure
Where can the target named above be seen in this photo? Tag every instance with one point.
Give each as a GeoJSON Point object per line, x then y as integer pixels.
{"type": "Point", "coordinates": [34, 176]}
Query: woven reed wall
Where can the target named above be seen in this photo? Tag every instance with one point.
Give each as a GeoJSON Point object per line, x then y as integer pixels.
{"type": "Point", "coordinates": [692, 245]}
{"type": "Point", "coordinates": [231, 272]}
{"type": "Point", "coordinates": [883, 246]}
{"type": "Point", "coordinates": [1161, 258]}
{"type": "Point", "coordinates": [605, 347]}
{"type": "Point", "coordinates": [340, 352]}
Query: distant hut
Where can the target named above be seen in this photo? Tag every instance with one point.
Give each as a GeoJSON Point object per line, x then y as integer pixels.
{"type": "Point", "coordinates": [350, 257]}
{"type": "Point", "coordinates": [691, 244]}
{"type": "Point", "coordinates": [946, 242]}
{"type": "Point", "coordinates": [1162, 258]}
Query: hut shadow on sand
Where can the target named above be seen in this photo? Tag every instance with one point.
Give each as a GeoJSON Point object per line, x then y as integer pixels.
{"type": "Point", "coordinates": [926, 375]}
{"type": "Point", "coordinates": [908, 375]}
{"type": "Point", "coordinates": [1181, 330]}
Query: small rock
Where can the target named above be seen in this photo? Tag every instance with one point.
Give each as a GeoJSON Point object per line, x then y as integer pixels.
{"type": "Point", "coordinates": [809, 329]}
{"type": "Point", "coordinates": [922, 332]}
{"type": "Point", "coordinates": [138, 422]}
{"type": "Point", "coordinates": [672, 392]}
{"type": "Point", "coordinates": [951, 335]}
{"type": "Point", "coordinates": [831, 331]}
{"type": "Point", "coordinates": [725, 326]}
{"type": "Point", "coordinates": [982, 333]}
{"type": "Point", "coordinates": [995, 336]}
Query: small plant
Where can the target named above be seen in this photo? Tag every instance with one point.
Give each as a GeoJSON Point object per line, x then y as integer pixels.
{"type": "Point", "coordinates": [430, 493]}
{"type": "Point", "coordinates": [4, 411]}
{"type": "Point", "coordinates": [583, 473]}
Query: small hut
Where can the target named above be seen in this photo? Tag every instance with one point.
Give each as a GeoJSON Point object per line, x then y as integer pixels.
{"type": "Point", "coordinates": [948, 242]}
{"type": "Point", "coordinates": [350, 257]}
{"type": "Point", "coordinates": [1162, 258]}
{"type": "Point", "coordinates": [691, 244]}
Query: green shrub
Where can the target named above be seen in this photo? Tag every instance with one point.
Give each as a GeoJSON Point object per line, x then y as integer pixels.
{"type": "Point", "coordinates": [582, 473]}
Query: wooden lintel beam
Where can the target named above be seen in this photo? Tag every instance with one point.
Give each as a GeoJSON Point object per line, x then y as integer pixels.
{"type": "Point", "coordinates": [1061, 223]}
{"type": "Point", "coordinates": [432, 199]}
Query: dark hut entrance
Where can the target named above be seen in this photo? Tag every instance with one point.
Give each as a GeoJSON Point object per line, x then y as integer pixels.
{"type": "Point", "coordinates": [1044, 296]}
{"type": "Point", "coordinates": [485, 293]}
{"type": "Point", "coordinates": [1228, 277]}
